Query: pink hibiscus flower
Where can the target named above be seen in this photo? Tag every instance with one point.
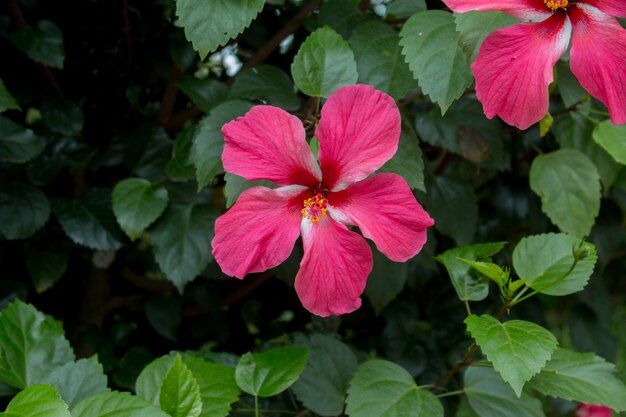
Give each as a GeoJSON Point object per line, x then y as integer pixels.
{"type": "Point", "coordinates": [591, 410]}
{"type": "Point", "coordinates": [358, 132]}
{"type": "Point", "coordinates": [514, 65]}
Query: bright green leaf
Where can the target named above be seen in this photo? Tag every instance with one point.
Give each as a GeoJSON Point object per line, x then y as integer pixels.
{"type": "Point", "coordinates": [383, 389]}
{"type": "Point", "coordinates": [209, 24]}
{"type": "Point", "coordinates": [43, 43]}
{"type": "Point", "coordinates": [475, 26]}
{"type": "Point", "coordinates": [323, 64]}
{"type": "Point", "coordinates": [235, 185]}
{"type": "Point", "coordinates": [488, 269]}
{"type": "Point", "coordinates": [45, 267]}
{"type": "Point", "coordinates": [39, 401]}
{"type": "Point", "coordinates": [581, 377]}
{"type": "Point", "coordinates": [216, 382]}
{"type": "Point", "coordinates": [267, 83]}
{"type": "Point", "coordinates": [23, 210]}
{"type": "Point", "coordinates": [323, 384]}
{"type": "Point", "coordinates": [408, 162]}
{"type": "Point", "coordinates": [543, 261]}
{"type": "Point", "coordinates": [180, 394]}
{"type": "Point", "coordinates": [78, 380]}
{"type": "Point", "coordinates": [468, 286]}
{"type": "Point", "coordinates": [205, 94]}
{"type": "Point", "coordinates": [17, 144]}
{"type": "Point", "coordinates": [182, 242]}
{"type": "Point", "coordinates": [31, 345]}
{"type": "Point", "coordinates": [430, 44]}
{"type": "Point", "coordinates": [385, 281]}
{"type": "Point", "coordinates": [518, 349]}
{"type": "Point", "coordinates": [208, 142]}
{"type": "Point", "coordinates": [271, 372]}
{"type": "Point", "coordinates": [136, 204]}
{"type": "Point", "coordinates": [89, 220]}
{"type": "Point", "coordinates": [379, 61]}
{"type": "Point", "coordinates": [612, 138]}
{"type": "Point", "coordinates": [569, 186]}
{"type": "Point", "coordinates": [118, 404]}
{"type": "Point", "coordinates": [489, 396]}
{"type": "Point", "coordinates": [7, 102]}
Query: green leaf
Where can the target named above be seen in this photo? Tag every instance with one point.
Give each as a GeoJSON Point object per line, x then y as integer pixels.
{"type": "Point", "coordinates": [235, 185]}
{"type": "Point", "coordinates": [205, 94]}
{"type": "Point", "coordinates": [89, 221]}
{"type": "Point", "coordinates": [573, 132]}
{"type": "Point", "coordinates": [408, 162]}
{"type": "Point", "coordinates": [147, 151]}
{"type": "Point", "coordinates": [164, 313]}
{"type": "Point", "coordinates": [39, 401]}
{"type": "Point", "coordinates": [208, 142]}
{"type": "Point", "coordinates": [271, 372]}
{"type": "Point", "coordinates": [63, 116]}
{"type": "Point", "coordinates": [182, 242]}
{"type": "Point", "coordinates": [430, 44]}
{"type": "Point", "coordinates": [43, 43]}
{"type": "Point", "coordinates": [475, 26]}
{"type": "Point", "coordinates": [518, 349]}
{"type": "Point", "coordinates": [209, 24]}
{"type": "Point", "coordinates": [469, 286]}
{"type": "Point", "coordinates": [78, 380]}
{"type": "Point", "coordinates": [385, 281]}
{"type": "Point", "coordinates": [383, 389]}
{"type": "Point", "coordinates": [542, 261]}
{"type": "Point", "coordinates": [217, 386]}
{"type": "Point", "coordinates": [323, 64]}
{"type": "Point", "coordinates": [7, 102]}
{"type": "Point", "coordinates": [341, 15]}
{"type": "Point", "coordinates": [323, 384]}
{"type": "Point", "coordinates": [136, 204]}
{"type": "Point", "coordinates": [488, 269]}
{"type": "Point", "coordinates": [447, 197]}
{"type": "Point", "coordinates": [118, 404]}
{"type": "Point", "coordinates": [569, 186]}
{"type": "Point", "coordinates": [612, 138]}
{"type": "Point", "coordinates": [23, 210]}
{"type": "Point", "coordinates": [581, 377]}
{"type": "Point", "coordinates": [45, 267]}
{"type": "Point", "coordinates": [17, 144]}
{"type": "Point", "coordinates": [180, 394]}
{"type": "Point", "coordinates": [401, 9]}
{"type": "Point", "coordinates": [379, 61]}
{"type": "Point", "coordinates": [267, 83]}
{"type": "Point", "coordinates": [180, 168]}
{"type": "Point", "coordinates": [31, 345]}
{"type": "Point", "coordinates": [489, 396]}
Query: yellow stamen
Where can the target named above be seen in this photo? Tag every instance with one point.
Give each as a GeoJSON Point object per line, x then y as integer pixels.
{"type": "Point", "coordinates": [556, 4]}
{"type": "Point", "coordinates": [315, 208]}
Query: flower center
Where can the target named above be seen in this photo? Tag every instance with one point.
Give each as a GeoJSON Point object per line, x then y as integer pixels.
{"type": "Point", "coordinates": [556, 4]}
{"type": "Point", "coordinates": [315, 208]}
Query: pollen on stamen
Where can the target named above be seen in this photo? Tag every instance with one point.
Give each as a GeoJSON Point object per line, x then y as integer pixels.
{"type": "Point", "coordinates": [556, 4]}
{"type": "Point", "coordinates": [315, 208]}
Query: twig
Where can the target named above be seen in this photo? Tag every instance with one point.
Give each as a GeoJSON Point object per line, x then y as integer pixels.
{"type": "Point", "coordinates": [169, 96]}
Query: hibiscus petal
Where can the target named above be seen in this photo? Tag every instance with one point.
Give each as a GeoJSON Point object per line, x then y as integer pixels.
{"type": "Point", "coordinates": [598, 58]}
{"type": "Point", "coordinates": [528, 10]}
{"type": "Point", "coordinates": [259, 231]}
{"type": "Point", "coordinates": [268, 143]}
{"type": "Point", "coordinates": [358, 132]}
{"type": "Point", "coordinates": [386, 211]}
{"type": "Point", "coordinates": [334, 269]}
{"type": "Point", "coordinates": [515, 67]}
{"type": "Point", "coordinates": [613, 7]}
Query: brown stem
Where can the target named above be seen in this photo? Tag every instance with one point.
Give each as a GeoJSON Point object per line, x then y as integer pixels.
{"type": "Point", "coordinates": [457, 367]}
{"type": "Point", "coordinates": [291, 26]}
{"type": "Point", "coordinates": [147, 284]}
{"type": "Point", "coordinates": [169, 96]}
